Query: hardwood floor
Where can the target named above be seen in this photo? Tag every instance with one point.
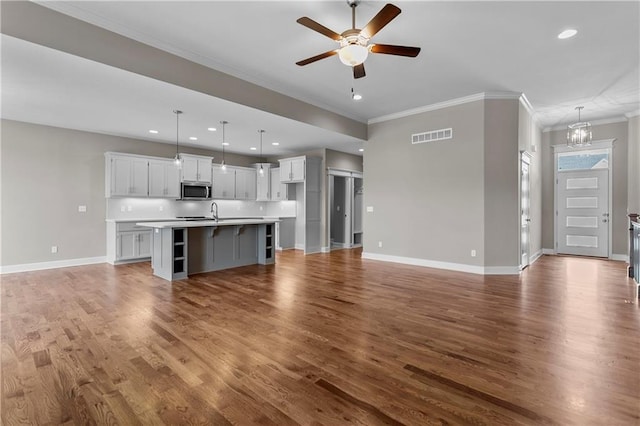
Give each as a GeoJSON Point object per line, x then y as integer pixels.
{"type": "Point", "coordinates": [322, 339]}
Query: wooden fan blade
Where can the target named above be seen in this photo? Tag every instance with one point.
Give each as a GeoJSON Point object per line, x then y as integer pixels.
{"type": "Point", "coordinates": [386, 15]}
{"type": "Point", "coordinates": [317, 57]}
{"type": "Point", "coordinates": [358, 71]}
{"type": "Point", "coordinates": [390, 49]}
{"type": "Point", "coordinates": [311, 24]}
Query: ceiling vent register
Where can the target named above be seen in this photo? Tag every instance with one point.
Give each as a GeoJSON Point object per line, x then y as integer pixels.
{"type": "Point", "coordinates": [432, 136]}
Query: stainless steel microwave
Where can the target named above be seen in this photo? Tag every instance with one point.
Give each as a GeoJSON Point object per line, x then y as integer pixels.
{"type": "Point", "coordinates": [195, 191]}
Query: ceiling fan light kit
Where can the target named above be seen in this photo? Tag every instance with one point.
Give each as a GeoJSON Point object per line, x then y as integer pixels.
{"type": "Point", "coordinates": [354, 43]}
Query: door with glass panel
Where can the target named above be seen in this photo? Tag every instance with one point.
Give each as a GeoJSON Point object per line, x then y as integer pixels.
{"type": "Point", "coordinates": [582, 191]}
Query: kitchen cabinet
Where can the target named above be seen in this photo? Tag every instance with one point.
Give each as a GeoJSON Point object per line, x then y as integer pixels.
{"type": "Point", "coordinates": [224, 182]}
{"type": "Point", "coordinates": [196, 168]}
{"type": "Point", "coordinates": [278, 190]}
{"type": "Point", "coordinates": [263, 182]}
{"type": "Point", "coordinates": [127, 242]}
{"type": "Point", "coordinates": [292, 170]}
{"type": "Point", "coordinates": [126, 175]}
{"type": "Point", "coordinates": [164, 179]}
{"type": "Point", "coordinates": [245, 184]}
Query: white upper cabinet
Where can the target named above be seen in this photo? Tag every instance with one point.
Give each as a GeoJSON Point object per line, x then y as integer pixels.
{"type": "Point", "coordinates": [245, 184]}
{"type": "Point", "coordinates": [164, 179]}
{"type": "Point", "coordinates": [263, 181]}
{"type": "Point", "coordinates": [126, 176]}
{"type": "Point", "coordinates": [224, 182]}
{"type": "Point", "coordinates": [196, 168]}
{"type": "Point", "coordinates": [292, 169]}
{"type": "Point", "coordinates": [278, 189]}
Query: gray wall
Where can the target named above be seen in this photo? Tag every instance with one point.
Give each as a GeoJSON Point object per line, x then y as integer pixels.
{"type": "Point", "coordinates": [633, 165]}
{"type": "Point", "coordinates": [428, 199]}
{"type": "Point", "coordinates": [46, 173]}
{"type": "Point", "coordinates": [501, 176]}
{"type": "Point", "coordinates": [619, 166]}
{"type": "Point", "coordinates": [343, 161]}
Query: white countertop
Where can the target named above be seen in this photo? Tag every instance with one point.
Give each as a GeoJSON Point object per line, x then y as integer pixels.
{"type": "Point", "coordinates": [173, 219]}
{"type": "Point", "coordinates": [205, 223]}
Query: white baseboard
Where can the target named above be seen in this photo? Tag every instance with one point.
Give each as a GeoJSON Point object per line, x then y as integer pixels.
{"type": "Point", "coordinates": [620, 257]}
{"type": "Point", "coordinates": [27, 267]}
{"type": "Point", "coordinates": [325, 249]}
{"type": "Point", "coordinates": [473, 269]}
{"type": "Point", "coordinates": [299, 246]}
{"type": "Point", "coordinates": [535, 256]}
{"type": "Point", "coordinates": [548, 251]}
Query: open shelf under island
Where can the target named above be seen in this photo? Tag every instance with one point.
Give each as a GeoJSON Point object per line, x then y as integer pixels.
{"type": "Point", "coordinates": [181, 248]}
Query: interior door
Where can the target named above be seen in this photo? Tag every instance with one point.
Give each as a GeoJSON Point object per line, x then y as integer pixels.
{"type": "Point", "coordinates": [525, 208]}
{"type": "Point", "coordinates": [583, 212]}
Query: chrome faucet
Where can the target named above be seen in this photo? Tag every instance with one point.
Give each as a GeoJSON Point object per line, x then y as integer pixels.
{"type": "Point", "coordinates": [214, 212]}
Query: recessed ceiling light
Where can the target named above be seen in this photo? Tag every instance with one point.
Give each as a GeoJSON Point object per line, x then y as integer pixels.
{"type": "Point", "coordinates": [356, 96]}
{"type": "Point", "coordinates": [361, 150]}
{"type": "Point", "coordinates": [275, 143]}
{"type": "Point", "coordinates": [253, 148]}
{"type": "Point", "coordinates": [567, 33]}
{"type": "Point", "coordinates": [155, 132]}
{"type": "Point", "coordinates": [225, 143]}
{"type": "Point", "coordinates": [212, 129]}
{"type": "Point", "coordinates": [193, 138]}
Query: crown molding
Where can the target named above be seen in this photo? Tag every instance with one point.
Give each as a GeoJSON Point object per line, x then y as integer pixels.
{"type": "Point", "coordinates": [600, 122]}
{"type": "Point", "coordinates": [633, 114]}
{"type": "Point", "coordinates": [446, 104]}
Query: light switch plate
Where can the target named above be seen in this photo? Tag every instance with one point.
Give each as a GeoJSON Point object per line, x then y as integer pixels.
{"type": "Point", "coordinates": [82, 209]}
{"type": "Point", "coordinates": [369, 209]}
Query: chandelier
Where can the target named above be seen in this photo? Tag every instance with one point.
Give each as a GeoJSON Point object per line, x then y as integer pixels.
{"type": "Point", "coordinates": [579, 134]}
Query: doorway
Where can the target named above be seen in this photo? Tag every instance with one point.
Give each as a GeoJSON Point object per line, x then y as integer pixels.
{"type": "Point", "coordinates": [525, 208]}
{"type": "Point", "coordinates": [583, 189]}
{"type": "Point", "coordinates": [345, 203]}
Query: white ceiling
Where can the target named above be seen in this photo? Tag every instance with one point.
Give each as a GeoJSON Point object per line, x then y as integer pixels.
{"type": "Point", "coordinates": [467, 48]}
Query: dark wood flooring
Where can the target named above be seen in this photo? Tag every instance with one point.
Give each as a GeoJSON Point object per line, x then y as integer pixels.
{"type": "Point", "coordinates": [323, 339]}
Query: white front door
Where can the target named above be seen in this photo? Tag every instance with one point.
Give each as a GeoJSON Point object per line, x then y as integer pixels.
{"type": "Point", "coordinates": [583, 212]}
{"type": "Point", "coordinates": [525, 209]}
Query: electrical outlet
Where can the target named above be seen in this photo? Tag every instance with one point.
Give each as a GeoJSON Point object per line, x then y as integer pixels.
{"type": "Point", "coordinates": [122, 208]}
{"type": "Point", "coordinates": [82, 209]}
{"type": "Point", "coordinates": [379, 243]}
{"type": "Point", "coordinates": [161, 208]}
{"type": "Point", "coordinates": [129, 208]}
{"type": "Point", "coordinates": [473, 253]}
{"type": "Point", "coordinates": [261, 208]}
{"type": "Point", "coordinates": [369, 209]}
{"type": "Point", "coordinates": [54, 249]}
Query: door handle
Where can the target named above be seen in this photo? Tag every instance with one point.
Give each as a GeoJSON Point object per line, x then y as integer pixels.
{"type": "Point", "coordinates": [605, 220]}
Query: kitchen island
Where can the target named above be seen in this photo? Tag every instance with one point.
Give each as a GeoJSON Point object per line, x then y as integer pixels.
{"type": "Point", "coordinates": [183, 247]}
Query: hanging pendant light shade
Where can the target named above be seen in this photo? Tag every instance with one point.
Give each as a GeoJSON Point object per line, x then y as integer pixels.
{"type": "Point", "coordinates": [177, 160]}
{"type": "Point", "coordinates": [224, 166]}
{"type": "Point", "coordinates": [579, 134]}
{"type": "Point", "coordinates": [261, 170]}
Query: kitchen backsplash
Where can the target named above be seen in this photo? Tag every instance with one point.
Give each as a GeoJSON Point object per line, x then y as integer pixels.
{"type": "Point", "coordinates": [145, 208]}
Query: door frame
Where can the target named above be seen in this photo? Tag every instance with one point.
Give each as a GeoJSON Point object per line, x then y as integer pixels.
{"type": "Point", "coordinates": [526, 157]}
{"type": "Point", "coordinates": [604, 144]}
{"type": "Point", "coordinates": [331, 173]}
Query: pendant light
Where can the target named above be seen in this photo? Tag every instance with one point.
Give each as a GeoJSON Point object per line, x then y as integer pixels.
{"type": "Point", "coordinates": [224, 166]}
{"type": "Point", "coordinates": [261, 171]}
{"type": "Point", "coordinates": [579, 134]}
{"type": "Point", "coordinates": [177, 160]}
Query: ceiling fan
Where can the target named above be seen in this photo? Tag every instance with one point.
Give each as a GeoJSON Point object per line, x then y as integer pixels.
{"type": "Point", "coordinates": [354, 43]}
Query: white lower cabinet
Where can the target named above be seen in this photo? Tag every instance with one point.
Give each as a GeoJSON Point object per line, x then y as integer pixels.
{"type": "Point", "coordinates": [127, 242]}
